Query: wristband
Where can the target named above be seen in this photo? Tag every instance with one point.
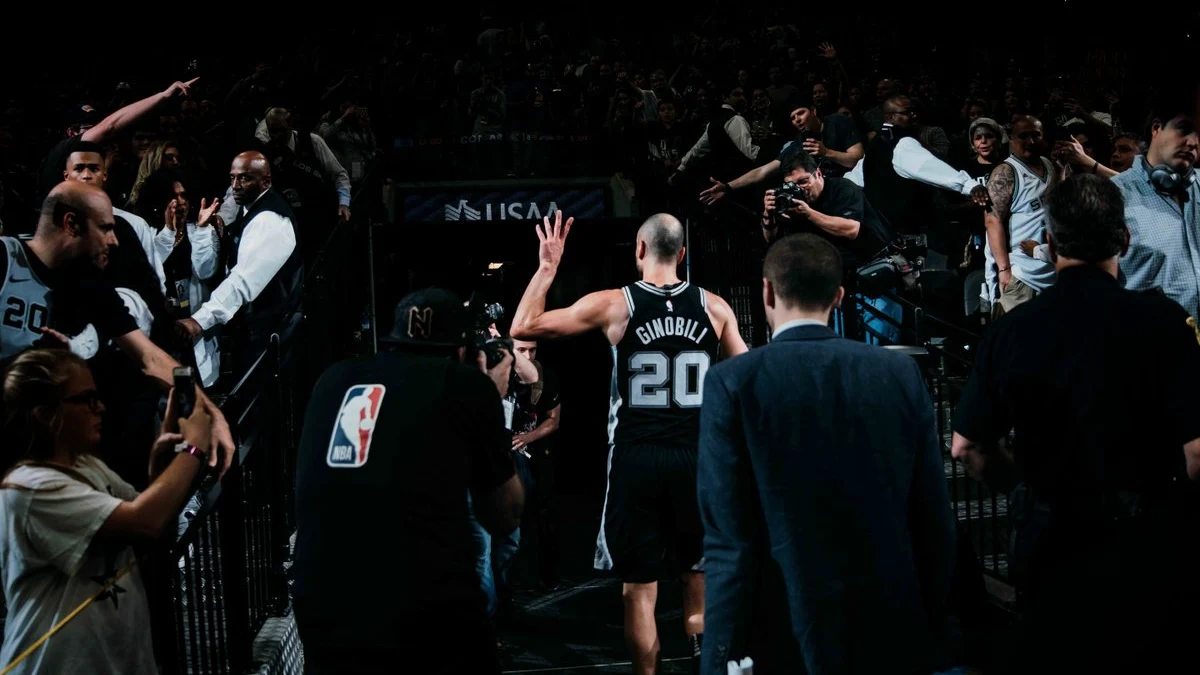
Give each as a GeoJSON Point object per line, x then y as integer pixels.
{"type": "Point", "coordinates": [188, 448]}
{"type": "Point", "coordinates": [1004, 269]}
{"type": "Point", "coordinates": [1095, 165]}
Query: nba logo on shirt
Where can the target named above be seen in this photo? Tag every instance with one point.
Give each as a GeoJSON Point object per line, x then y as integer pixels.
{"type": "Point", "coordinates": [355, 426]}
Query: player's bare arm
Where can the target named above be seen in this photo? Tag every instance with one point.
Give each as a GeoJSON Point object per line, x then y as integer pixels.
{"type": "Point", "coordinates": [725, 322]}
{"type": "Point", "coordinates": [602, 310]}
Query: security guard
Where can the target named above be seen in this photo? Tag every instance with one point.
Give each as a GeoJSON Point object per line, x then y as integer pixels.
{"type": "Point", "coordinates": [1100, 387]}
{"type": "Point", "coordinates": [392, 443]}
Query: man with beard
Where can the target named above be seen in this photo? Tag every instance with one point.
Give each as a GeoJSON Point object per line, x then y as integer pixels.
{"type": "Point", "coordinates": [1017, 188]}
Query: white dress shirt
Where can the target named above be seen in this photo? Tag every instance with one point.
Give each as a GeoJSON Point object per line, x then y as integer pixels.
{"type": "Point", "coordinates": [739, 133]}
{"type": "Point", "coordinates": [205, 247]}
{"type": "Point", "coordinates": [912, 161]}
{"type": "Point", "coordinates": [267, 242]}
{"type": "Point", "coordinates": [797, 322]}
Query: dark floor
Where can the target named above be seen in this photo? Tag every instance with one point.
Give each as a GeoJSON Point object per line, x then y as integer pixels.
{"type": "Point", "coordinates": [577, 628]}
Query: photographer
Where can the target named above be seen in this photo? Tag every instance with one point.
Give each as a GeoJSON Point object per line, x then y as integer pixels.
{"type": "Point", "coordinates": [495, 552]}
{"type": "Point", "coordinates": [838, 211]}
{"type": "Point", "coordinates": [397, 448]}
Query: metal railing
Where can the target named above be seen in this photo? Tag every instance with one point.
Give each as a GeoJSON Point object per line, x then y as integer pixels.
{"type": "Point", "coordinates": [727, 259]}
{"type": "Point", "coordinates": [226, 574]}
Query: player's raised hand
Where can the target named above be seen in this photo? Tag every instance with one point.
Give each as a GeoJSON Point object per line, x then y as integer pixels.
{"type": "Point", "coordinates": [553, 239]}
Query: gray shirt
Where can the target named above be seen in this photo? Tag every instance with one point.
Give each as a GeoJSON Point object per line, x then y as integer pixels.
{"type": "Point", "coordinates": [52, 562]}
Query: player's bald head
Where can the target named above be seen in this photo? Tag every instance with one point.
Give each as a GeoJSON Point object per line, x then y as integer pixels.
{"type": "Point", "coordinates": [663, 236]}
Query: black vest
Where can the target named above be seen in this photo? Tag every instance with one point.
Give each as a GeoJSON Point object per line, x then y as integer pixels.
{"type": "Point", "coordinates": [724, 160]}
{"type": "Point", "coordinates": [906, 205]}
{"type": "Point", "coordinates": [299, 177]}
{"type": "Point", "coordinates": [283, 294]}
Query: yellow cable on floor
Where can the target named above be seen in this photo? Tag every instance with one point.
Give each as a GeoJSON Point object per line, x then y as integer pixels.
{"type": "Point", "coordinates": [58, 626]}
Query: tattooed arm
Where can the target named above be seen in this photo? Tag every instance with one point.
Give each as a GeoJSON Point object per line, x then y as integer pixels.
{"type": "Point", "coordinates": [995, 221]}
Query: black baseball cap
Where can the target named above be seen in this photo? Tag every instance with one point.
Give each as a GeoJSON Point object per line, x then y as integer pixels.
{"type": "Point", "coordinates": [83, 115]}
{"type": "Point", "coordinates": [430, 317]}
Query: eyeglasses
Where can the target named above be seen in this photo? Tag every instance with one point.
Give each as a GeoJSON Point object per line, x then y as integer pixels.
{"type": "Point", "coordinates": [90, 398]}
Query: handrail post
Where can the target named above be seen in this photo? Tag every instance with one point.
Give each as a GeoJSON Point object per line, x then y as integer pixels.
{"type": "Point", "coordinates": [371, 286]}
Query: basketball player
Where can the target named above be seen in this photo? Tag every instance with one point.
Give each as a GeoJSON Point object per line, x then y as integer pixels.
{"type": "Point", "coordinates": [665, 333]}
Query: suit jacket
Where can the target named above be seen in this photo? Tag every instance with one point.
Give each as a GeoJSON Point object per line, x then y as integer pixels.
{"type": "Point", "coordinates": [828, 534]}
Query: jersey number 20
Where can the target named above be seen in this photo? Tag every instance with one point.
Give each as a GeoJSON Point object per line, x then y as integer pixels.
{"type": "Point", "coordinates": [15, 315]}
{"type": "Point", "coordinates": [654, 373]}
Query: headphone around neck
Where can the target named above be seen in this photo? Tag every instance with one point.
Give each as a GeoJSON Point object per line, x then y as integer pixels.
{"type": "Point", "coordinates": [1168, 181]}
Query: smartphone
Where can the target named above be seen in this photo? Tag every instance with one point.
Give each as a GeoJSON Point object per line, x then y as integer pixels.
{"type": "Point", "coordinates": [185, 392]}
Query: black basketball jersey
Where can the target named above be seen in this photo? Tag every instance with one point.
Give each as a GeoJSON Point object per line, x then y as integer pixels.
{"type": "Point", "coordinates": [659, 366]}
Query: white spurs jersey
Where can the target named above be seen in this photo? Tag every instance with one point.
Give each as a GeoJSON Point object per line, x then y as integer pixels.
{"type": "Point", "coordinates": [1026, 221]}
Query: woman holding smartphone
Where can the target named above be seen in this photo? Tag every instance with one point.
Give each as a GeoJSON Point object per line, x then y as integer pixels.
{"type": "Point", "coordinates": [68, 522]}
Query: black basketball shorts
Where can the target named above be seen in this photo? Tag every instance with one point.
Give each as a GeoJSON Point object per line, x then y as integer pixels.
{"type": "Point", "coordinates": [651, 525]}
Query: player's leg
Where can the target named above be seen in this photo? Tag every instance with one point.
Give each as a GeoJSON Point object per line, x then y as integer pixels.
{"type": "Point", "coordinates": [631, 544]}
{"type": "Point", "coordinates": [686, 536]}
{"type": "Point", "coordinates": [693, 613]}
{"type": "Point", "coordinates": [641, 631]}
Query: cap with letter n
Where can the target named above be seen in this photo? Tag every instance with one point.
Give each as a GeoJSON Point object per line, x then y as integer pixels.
{"type": "Point", "coordinates": [431, 317]}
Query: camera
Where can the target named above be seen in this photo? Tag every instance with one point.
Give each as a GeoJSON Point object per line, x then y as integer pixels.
{"type": "Point", "coordinates": [786, 193]}
{"type": "Point", "coordinates": [898, 267]}
{"type": "Point", "coordinates": [484, 315]}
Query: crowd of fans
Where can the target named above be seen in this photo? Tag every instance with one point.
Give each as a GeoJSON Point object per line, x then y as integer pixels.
{"type": "Point", "coordinates": [158, 224]}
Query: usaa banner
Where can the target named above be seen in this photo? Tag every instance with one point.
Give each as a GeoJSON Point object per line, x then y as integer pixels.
{"type": "Point", "coordinates": [503, 205]}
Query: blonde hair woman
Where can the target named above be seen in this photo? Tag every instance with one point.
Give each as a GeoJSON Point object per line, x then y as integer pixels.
{"type": "Point", "coordinates": [67, 521]}
{"type": "Point", "coordinates": [160, 154]}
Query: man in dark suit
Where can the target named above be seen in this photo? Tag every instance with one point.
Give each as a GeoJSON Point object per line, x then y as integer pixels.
{"type": "Point", "coordinates": [828, 534]}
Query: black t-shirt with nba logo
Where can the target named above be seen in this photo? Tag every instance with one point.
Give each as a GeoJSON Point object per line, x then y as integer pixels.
{"type": "Point", "coordinates": [390, 447]}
